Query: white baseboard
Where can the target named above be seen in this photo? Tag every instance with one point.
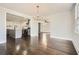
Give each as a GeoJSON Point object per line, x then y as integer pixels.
{"type": "Point", "coordinates": [63, 38]}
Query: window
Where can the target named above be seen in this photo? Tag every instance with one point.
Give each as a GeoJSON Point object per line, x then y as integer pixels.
{"type": "Point", "coordinates": [77, 18]}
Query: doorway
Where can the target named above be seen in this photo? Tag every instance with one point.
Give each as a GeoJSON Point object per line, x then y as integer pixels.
{"type": "Point", "coordinates": [14, 27]}
{"type": "Point", "coordinates": [39, 30]}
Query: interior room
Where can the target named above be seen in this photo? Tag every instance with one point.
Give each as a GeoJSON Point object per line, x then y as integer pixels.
{"type": "Point", "coordinates": [39, 28]}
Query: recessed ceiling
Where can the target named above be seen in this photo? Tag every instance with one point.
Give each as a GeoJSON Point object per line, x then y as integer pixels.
{"type": "Point", "coordinates": [45, 8]}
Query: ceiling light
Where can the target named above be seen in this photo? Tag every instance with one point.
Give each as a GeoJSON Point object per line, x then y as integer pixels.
{"type": "Point", "coordinates": [38, 17]}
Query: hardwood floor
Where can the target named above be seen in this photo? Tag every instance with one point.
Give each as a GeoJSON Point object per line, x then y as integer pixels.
{"type": "Point", "coordinates": [35, 46]}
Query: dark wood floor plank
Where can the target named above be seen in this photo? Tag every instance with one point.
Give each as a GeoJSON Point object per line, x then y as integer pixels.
{"type": "Point", "coordinates": [34, 46]}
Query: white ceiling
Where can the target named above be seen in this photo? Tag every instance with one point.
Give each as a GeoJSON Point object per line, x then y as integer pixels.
{"type": "Point", "coordinates": [45, 8]}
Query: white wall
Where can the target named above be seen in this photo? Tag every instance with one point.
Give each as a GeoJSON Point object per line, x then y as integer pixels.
{"type": "Point", "coordinates": [2, 26]}
{"type": "Point", "coordinates": [61, 25]}
{"type": "Point", "coordinates": [45, 27]}
{"type": "Point", "coordinates": [18, 33]}
{"type": "Point", "coordinates": [34, 27]}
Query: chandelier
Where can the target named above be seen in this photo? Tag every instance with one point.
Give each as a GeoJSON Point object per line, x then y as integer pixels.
{"type": "Point", "coordinates": [38, 17]}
